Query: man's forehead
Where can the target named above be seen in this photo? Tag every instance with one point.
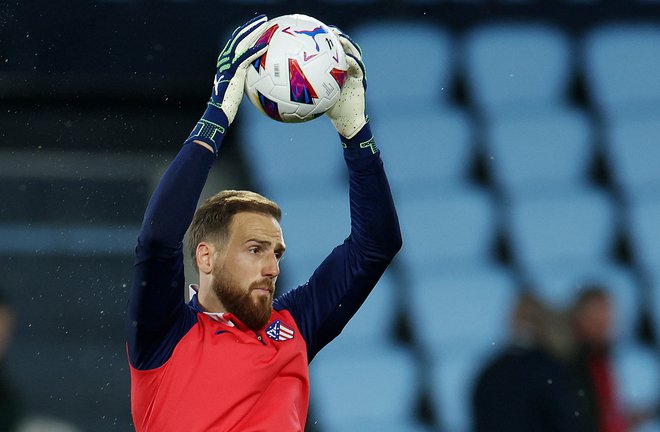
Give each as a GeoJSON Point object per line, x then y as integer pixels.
{"type": "Point", "coordinates": [249, 224]}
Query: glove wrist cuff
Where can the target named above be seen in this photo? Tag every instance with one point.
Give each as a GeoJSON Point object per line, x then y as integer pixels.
{"type": "Point", "coordinates": [360, 144]}
{"type": "Point", "coordinates": [211, 128]}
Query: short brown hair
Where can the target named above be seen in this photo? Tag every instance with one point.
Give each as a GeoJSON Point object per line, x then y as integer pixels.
{"type": "Point", "coordinates": [212, 219]}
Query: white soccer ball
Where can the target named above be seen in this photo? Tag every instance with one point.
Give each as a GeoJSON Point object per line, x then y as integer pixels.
{"type": "Point", "coordinates": [301, 74]}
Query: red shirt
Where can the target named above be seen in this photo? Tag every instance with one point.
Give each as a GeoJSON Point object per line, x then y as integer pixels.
{"type": "Point", "coordinates": [610, 417]}
{"type": "Point", "coordinates": [210, 368]}
{"type": "Point", "coordinates": [192, 371]}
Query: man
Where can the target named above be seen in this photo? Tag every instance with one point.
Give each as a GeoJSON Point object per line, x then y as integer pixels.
{"type": "Point", "coordinates": [232, 359]}
{"type": "Point", "coordinates": [11, 410]}
{"type": "Point", "coordinates": [598, 398]}
{"type": "Point", "coordinates": [525, 387]}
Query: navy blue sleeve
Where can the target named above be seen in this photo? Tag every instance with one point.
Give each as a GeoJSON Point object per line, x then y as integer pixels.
{"type": "Point", "coordinates": [157, 316]}
{"type": "Point", "coordinates": [339, 286]}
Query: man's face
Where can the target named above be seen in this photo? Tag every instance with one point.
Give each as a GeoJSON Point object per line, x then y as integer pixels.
{"type": "Point", "coordinates": [594, 322]}
{"type": "Point", "coordinates": [247, 267]}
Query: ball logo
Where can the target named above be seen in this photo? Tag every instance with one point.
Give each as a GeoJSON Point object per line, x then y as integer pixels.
{"type": "Point", "coordinates": [317, 31]}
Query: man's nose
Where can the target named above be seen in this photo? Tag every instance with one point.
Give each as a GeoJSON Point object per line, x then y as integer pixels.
{"type": "Point", "coordinates": [272, 267]}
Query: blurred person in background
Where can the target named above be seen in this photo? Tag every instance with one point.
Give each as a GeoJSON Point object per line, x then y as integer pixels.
{"type": "Point", "coordinates": [235, 358]}
{"type": "Point", "coordinates": [525, 387]}
{"type": "Point", "coordinates": [598, 406]}
{"type": "Point", "coordinates": [10, 405]}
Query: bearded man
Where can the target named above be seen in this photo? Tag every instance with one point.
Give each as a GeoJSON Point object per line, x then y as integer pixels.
{"type": "Point", "coordinates": [235, 358]}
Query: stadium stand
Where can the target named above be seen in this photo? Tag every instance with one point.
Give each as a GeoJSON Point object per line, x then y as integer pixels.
{"type": "Point", "coordinates": [491, 117]}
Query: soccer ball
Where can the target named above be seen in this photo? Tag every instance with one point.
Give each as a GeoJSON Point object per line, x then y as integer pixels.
{"type": "Point", "coordinates": [301, 74]}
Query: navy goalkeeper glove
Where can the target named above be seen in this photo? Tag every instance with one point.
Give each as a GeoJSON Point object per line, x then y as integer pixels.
{"type": "Point", "coordinates": [240, 50]}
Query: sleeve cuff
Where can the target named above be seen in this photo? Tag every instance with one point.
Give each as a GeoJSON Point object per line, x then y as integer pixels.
{"type": "Point", "coordinates": [211, 128]}
{"type": "Point", "coordinates": [361, 144]}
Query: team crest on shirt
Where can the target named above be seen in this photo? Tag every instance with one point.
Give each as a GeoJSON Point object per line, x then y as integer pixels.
{"type": "Point", "coordinates": [279, 332]}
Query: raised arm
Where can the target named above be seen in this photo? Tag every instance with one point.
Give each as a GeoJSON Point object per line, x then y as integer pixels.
{"type": "Point", "coordinates": [339, 286]}
{"type": "Point", "coordinates": [156, 313]}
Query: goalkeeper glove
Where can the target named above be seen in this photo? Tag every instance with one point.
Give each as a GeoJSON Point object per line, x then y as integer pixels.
{"type": "Point", "coordinates": [242, 48]}
{"type": "Point", "coordinates": [348, 114]}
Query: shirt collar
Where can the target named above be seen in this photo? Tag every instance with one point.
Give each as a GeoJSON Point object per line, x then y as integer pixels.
{"type": "Point", "coordinates": [221, 317]}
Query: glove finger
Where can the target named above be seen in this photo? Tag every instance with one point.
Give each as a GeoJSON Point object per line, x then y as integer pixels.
{"type": "Point", "coordinates": [349, 45]}
{"type": "Point", "coordinates": [251, 54]}
{"type": "Point", "coordinates": [356, 69]}
{"type": "Point", "coordinates": [246, 39]}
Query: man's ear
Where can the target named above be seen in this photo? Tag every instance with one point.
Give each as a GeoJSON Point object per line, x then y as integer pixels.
{"type": "Point", "coordinates": [204, 257]}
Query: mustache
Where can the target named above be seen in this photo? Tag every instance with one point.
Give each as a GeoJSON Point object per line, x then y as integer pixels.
{"type": "Point", "coordinates": [263, 283]}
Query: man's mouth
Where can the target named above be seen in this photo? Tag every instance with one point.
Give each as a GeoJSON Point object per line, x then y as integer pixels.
{"type": "Point", "coordinates": [263, 289]}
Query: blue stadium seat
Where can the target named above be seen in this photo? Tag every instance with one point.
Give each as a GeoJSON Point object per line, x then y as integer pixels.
{"type": "Point", "coordinates": [394, 48]}
{"type": "Point", "coordinates": [456, 227]}
{"type": "Point", "coordinates": [559, 285]}
{"type": "Point", "coordinates": [650, 425]}
{"type": "Point", "coordinates": [312, 226]}
{"type": "Point", "coordinates": [633, 156]}
{"type": "Point", "coordinates": [643, 229]}
{"type": "Point", "coordinates": [461, 310]}
{"type": "Point", "coordinates": [539, 155]}
{"type": "Point", "coordinates": [425, 150]}
{"type": "Point", "coordinates": [637, 370]}
{"type": "Point", "coordinates": [577, 229]}
{"type": "Point", "coordinates": [290, 158]}
{"type": "Point", "coordinates": [516, 66]}
{"type": "Point", "coordinates": [372, 388]}
{"type": "Point", "coordinates": [621, 66]}
{"type": "Point", "coordinates": [377, 320]}
{"type": "Point", "coordinates": [451, 382]}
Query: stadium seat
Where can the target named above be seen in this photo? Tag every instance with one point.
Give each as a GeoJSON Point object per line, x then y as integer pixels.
{"type": "Point", "coordinates": [291, 158]}
{"type": "Point", "coordinates": [375, 387]}
{"type": "Point", "coordinates": [637, 370]}
{"type": "Point", "coordinates": [539, 155]}
{"type": "Point", "coordinates": [312, 227]}
{"type": "Point", "coordinates": [577, 229]}
{"type": "Point", "coordinates": [455, 227]}
{"type": "Point", "coordinates": [451, 381]}
{"type": "Point", "coordinates": [650, 425]}
{"type": "Point", "coordinates": [643, 229]}
{"type": "Point", "coordinates": [621, 66]}
{"type": "Point", "coordinates": [516, 66]}
{"type": "Point", "coordinates": [393, 48]}
{"type": "Point", "coordinates": [559, 286]}
{"type": "Point", "coordinates": [633, 156]}
{"type": "Point", "coordinates": [461, 310]}
{"type": "Point", "coordinates": [425, 150]}
{"type": "Point", "coordinates": [377, 320]}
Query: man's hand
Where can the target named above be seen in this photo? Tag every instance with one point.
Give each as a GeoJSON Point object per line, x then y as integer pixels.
{"type": "Point", "coordinates": [233, 62]}
{"type": "Point", "coordinates": [348, 114]}
{"type": "Point", "coordinates": [243, 48]}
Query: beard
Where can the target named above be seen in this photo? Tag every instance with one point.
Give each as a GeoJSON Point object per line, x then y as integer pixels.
{"type": "Point", "coordinates": [253, 311]}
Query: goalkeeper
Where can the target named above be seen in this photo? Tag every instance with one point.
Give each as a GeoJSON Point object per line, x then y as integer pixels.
{"type": "Point", "coordinates": [234, 358]}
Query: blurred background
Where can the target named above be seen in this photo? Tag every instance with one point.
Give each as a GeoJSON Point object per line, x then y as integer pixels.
{"type": "Point", "coordinates": [522, 142]}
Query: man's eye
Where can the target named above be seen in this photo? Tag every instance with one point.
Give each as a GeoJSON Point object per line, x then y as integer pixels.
{"type": "Point", "coordinates": [253, 250]}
